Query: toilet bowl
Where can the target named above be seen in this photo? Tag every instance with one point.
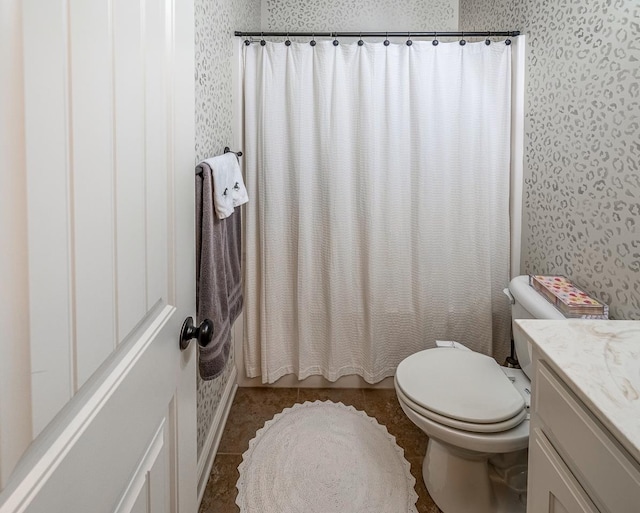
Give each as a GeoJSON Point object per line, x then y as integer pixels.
{"type": "Point", "coordinates": [476, 415]}
{"type": "Point", "coordinates": [471, 410]}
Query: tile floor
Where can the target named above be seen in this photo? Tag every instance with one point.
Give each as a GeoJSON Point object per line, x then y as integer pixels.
{"type": "Point", "coordinates": [252, 407]}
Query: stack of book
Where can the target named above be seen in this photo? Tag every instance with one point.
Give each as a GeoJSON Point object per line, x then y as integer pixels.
{"type": "Point", "coordinates": [568, 298]}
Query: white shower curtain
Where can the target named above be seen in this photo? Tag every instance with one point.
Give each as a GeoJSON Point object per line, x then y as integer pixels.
{"type": "Point", "coordinates": [379, 220]}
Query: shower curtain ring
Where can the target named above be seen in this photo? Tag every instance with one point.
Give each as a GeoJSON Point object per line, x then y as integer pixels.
{"type": "Point", "coordinates": [386, 39]}
{"type": "Point", "coordinates": [435, 41]}
{"type": "Point", "coordinates": [262, 41]}
{"type": "Point", "coordinates": [360, 42]}
{"type": "Point", "coordinates": [313, 40]}
{"type": "Point", "coordinates": [287, 42]}
{"type": "Point", "coordinates": [409, 42]}
{"type": "Point", "coordinates": [462, 41]}
{"type": "Point", "coordinates": [335, 39]}
{"type": "Point", "coordinates": [488, 41]}
{"type": "Point", "coordinates": [246, 41]}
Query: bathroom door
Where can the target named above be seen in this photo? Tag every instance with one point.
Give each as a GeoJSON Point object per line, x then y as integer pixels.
{"type": "Point", "coordinates": [98, 402]}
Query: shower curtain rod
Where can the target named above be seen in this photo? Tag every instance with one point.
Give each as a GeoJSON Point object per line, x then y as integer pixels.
{"type": "Point", "coordinates": [512, 33]}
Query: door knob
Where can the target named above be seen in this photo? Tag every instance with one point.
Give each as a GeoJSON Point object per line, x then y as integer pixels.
{"type": "Point", "coordinates": [203, 333]}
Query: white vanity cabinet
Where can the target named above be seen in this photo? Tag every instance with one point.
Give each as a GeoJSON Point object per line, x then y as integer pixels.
{"type": "Point", "coordinates": [585, 415]}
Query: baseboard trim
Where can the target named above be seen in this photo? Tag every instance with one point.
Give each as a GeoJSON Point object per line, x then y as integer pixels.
{"type": "Point", "coordinates": [208, 455]}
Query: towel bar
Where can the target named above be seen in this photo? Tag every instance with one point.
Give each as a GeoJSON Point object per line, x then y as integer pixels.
{"type": "Point", "coordinates": [227, 150]}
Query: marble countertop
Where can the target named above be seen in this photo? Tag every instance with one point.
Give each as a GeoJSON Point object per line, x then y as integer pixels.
{"type": "Point", "coordinates": [600, 362]}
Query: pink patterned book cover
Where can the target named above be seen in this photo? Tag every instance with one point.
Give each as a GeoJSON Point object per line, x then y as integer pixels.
{"type": "Point", "coordinates": [568, 298]}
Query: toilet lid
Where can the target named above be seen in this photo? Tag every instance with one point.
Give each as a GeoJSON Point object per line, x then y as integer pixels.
{"type": "Point", "coordinates": [462, 385]}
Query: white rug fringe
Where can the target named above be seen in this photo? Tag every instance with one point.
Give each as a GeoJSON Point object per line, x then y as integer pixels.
{"type": "Point", "coordinates": [263, 488]}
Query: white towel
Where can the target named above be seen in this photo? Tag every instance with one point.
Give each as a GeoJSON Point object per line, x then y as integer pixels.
{"type": "Point", "coordinates": [239, 194]}
{"type": "Point", "coordinates": [223, 171]}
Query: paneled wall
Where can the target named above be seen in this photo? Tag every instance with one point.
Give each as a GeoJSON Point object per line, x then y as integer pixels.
{"type": "Point", "coordinates": [582, 147]}
{"type": "Point", "coordinates": [215, 22]}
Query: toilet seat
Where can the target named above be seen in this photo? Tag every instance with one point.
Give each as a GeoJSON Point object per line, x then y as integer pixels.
{"type": "Point", "coordinates": [461, 389]}
{"type": "Point", "coordinates": [493, 443]}
{"type": "Point", "coordinates": [458, 424]}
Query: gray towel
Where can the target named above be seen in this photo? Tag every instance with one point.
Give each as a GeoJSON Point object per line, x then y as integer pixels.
{"type": "Point", "coordinates": [218, 274]}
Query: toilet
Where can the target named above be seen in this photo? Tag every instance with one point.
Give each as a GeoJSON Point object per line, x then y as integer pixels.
{"type": "Point", "coordinates": [476, 415]}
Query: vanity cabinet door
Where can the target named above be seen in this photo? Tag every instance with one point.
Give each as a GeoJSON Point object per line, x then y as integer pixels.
{"type": "Point", "coordinates": [552, 488]}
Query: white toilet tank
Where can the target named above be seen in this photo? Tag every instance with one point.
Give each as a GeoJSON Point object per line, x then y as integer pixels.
{"type": "Point", "coordinates": [528, 304]}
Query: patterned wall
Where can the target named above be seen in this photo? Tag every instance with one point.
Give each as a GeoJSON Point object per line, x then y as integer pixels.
{"type": "Point", "coordinates": [582, 186]}
{"type": "Point", "coordinates": [215, 22]}
{"type": "Point", "coordinates": [582, 189]}
{"type": "Point", "coordinates": [355, 15]}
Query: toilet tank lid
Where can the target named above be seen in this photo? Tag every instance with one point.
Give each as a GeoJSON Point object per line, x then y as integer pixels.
{"type": "Point", "coordinates": [462, 385]}
{"type": "Point", "coordinates": [531, 300]}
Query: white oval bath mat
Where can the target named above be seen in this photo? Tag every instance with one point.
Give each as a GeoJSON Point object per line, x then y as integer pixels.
{"type": "Point", "coordinates": [324, 457]}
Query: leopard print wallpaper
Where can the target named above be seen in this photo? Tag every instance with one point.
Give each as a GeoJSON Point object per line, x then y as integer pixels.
{"type": "Point", "coordinates": [354, 15]}
{"type": "Point", "coordinates": [582, 147]}
{"type": "Point", "coordinates": [215, 22]}
{"type": "Point", "coordinates": [582, 186]}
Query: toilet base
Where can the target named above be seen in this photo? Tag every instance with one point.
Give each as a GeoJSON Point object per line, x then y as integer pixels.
{"type": "Point", "coordinates": [461, 481]}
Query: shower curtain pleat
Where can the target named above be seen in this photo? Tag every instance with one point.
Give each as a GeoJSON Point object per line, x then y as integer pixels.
{"type": "Point", "coordinates": [381, 214]}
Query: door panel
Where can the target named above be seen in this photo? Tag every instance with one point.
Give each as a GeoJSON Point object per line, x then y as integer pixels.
{"type": "Point", "coordinates": [104, 211]}
{"type": "Point", "coordinates": [129, 88]}
{"type": "Point", "coordinates": [92, 170]}
{"type": "Point", "coordinates": [15, 383]}
{"type": "Point", "coordinates": [97, 454]}
{"type": "Point", "coordinates": [109, 144]}
{"type": "Point", "coordinates": [49, 212]}
{"type": "Point", "coordinates": [157, 133]}
{"type": "Point", "coordinates": [147, 483]}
